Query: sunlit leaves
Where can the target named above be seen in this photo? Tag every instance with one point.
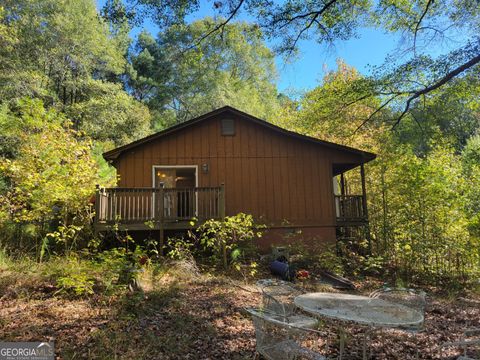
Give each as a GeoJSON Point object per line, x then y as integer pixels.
{"type": "Point", "coordinates": [52, 173]}
{"type": "Point", "coordinates": [324, 21]}
{"type": "Point", "coordinates": [175, 74]}
{"type": "Point", "coordinates": [332, 112]}
{"type": "Point", "coordinates": [422, 195]}
{"type": "Point", "coordinates": [109, 114]}
{"type": "Point", "coordinates": [63, 41]}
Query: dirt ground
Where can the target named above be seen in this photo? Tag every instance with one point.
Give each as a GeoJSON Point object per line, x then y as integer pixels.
{"type": "Point", "coordinates": [201, 318]}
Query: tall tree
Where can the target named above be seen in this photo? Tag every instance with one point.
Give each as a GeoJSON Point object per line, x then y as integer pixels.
{"type": "Point", "coordinates": [46, 170]}
{"type": "Point", "coordinates": [331, 111]}
{"type": "Point", "coordinates": [64, 53]}
{"type": "Point", "coordinates": [60, 44]}
{"type": "Point", "coordinates": [231, 68]}
{"type": "Point", "coordinates": [451, 114]}
{"type": "Point", "coordinates": [108, 114]}
{"type": "Point", "coordinates": [405, 80]}
{"type": "Point", "coordinates": [422, 195]}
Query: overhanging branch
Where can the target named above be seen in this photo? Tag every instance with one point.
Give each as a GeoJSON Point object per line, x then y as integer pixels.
{"type": "Point", "coordinates": [449, 76]}
{"type": "Point", "coordinates": [219, 26]}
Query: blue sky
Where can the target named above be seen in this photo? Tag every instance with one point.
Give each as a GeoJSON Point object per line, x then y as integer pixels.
{"type": "Point", "coordinates": [370, 48]}
{"type": "Point", "coordinates": [307, 70]}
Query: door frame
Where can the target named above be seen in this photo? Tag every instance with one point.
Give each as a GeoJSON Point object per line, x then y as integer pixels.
{"type": "Point", "coordinates": [155, 167]}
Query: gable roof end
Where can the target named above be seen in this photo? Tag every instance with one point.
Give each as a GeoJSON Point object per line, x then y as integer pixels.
{"type": "Point", "coordinates": [115, 153]}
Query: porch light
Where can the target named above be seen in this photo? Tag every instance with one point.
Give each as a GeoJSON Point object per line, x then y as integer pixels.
{"type": "Point", "coordinates": [205, 168]}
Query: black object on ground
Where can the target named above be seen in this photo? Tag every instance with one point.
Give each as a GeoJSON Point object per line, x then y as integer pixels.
{"type": "Point", "coordinates": [282, 269]}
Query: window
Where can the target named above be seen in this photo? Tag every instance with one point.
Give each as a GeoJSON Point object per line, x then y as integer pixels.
{"type": "Point", "coordinates": [228, 127]}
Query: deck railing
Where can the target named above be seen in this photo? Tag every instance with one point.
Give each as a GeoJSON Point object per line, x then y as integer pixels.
{"type": "Point", "coordinates": [350, 208]}
{"type": "Point", "coordinates": [140, 205]}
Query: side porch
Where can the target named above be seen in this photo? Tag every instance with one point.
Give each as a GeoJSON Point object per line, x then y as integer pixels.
{"type": "Point", "coordinates": [352, 221]}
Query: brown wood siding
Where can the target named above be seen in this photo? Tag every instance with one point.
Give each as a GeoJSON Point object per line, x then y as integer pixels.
{"type": "Point", "coordinates": [270, 175]}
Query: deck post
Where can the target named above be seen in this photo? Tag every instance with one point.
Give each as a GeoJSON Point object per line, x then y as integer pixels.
{"type": "Point", "coordinates": [97, 208]}
{"type": "Point", "coordinates": [221, 200]}
{"type": "Point", "coordinates": [97, 202]}
{"type": "Point", "coordinates": [160, 215]}
{"type": "Point", "coordinates": [365, 208]}
{"type": "Point", "coordinates": [221, 213]}
{"type": "Point", "coordinates": [364, 191]}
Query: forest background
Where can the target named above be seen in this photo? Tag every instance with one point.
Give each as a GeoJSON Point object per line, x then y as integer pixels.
{"type": "Point", "coordinates": [75, 83]}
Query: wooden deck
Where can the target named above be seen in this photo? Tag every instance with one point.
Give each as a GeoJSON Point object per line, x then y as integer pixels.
{"type": "Point", "coordinates": [351, 210]}
{"type": "Point", "coordinates": [157, 208]}
{"type": "Point", "coordinates": [174, 208]}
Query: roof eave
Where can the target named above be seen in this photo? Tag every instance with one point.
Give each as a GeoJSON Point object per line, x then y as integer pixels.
{"type": "Point", "coordinates": [115, 153]}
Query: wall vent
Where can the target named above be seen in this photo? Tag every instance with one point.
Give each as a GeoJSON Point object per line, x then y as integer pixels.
{"type": "Point", "coordinates": [228, 127]}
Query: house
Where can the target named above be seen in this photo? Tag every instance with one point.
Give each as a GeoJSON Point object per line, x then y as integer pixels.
{"type": "Point", "coordinates": [226, 162]}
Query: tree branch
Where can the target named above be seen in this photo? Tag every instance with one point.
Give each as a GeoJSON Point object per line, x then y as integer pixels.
{"type": "Point", "coordinates": [374, 113]}
{"type": "Point", "coordinates": [220, 25]}
{"type": "Point", "coordinates": [315, 15]}
{"type": "Point", "coordinates": [417, 25]}
{"type": "Point", "coordinates": [449, 76]}
{"type": "Point", "coordinates": [293, 46]}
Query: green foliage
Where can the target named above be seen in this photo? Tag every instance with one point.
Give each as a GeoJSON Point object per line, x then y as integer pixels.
{"type": "Point", "coordinates": [59, 45]}
{"type": "Point", "coordinates": [295, 20]}
{"type": "Point", "coordinates": [76, 276]}
{"type": "Point", "coordinates": [58, 64]}
{"type": "Point", "coordinates": [180, 248]}
{"type": "Point", "coordinates": [328, 259]}
{"type": "Point", "coordinates": [402, 81]}
{"type": "Point", "coordinates": [61, 66]}
{"type": "Point", "coordinates": [234, 69]}
{"type": "Point", "coordinates": [93, 113]}
{"type": "Point", "coordinates": [231, 238]}
{"type": "Point", "coordinates": [79, 283]}
{"type": "Point", "coordinates": [471, 168]}
{"type": "Point", "coordinates": [452, 116]}
{"type": "Point", "coordinates": [331, 111]}
{"type": "Point", "coordinates": [471, 155]}
{"type": "Point", "coordinates": [419, 216]}
{"type": "Point", "coordinates": [42, 162]}
{"type": "Point", "coordinates": [115, 260]}
{"type": "Point", "coordinates": [229, 244]}
{"type": "Point", "coordinates": [5, 260]}
{"type": "Point", "coordinates": [65, 235]}
{"type": "Point", "coordinates": [64, 54]}
{"type": "Point", "coordinates": [423, 195]}
{"type": "Point", "coordinates": [8, 38]}
{"type": "Point", "coordinates": [107, 174]}
{"type": "Point", "coordinates": [107, 272]}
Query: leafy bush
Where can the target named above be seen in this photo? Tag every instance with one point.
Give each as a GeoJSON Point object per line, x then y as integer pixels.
{"type": "Point", "coordinates": [180, 248]}
{"type": "Point", "coordinates": [106, 272]}
{"type": "Point", "coordinates": [46, 159]}
{"type": "Point", "coordinates": [47, 176]}
{"type": "Point", "coordinates": [80, 283]}
{"type": "Point", "coordinates": [66, 235]}
{"type": "Point", "coordinates": [231, 239]}
{"type": "Point", "coordinates": [229, 243]}
{"type": "Point", "coordinates": [328, 259]}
